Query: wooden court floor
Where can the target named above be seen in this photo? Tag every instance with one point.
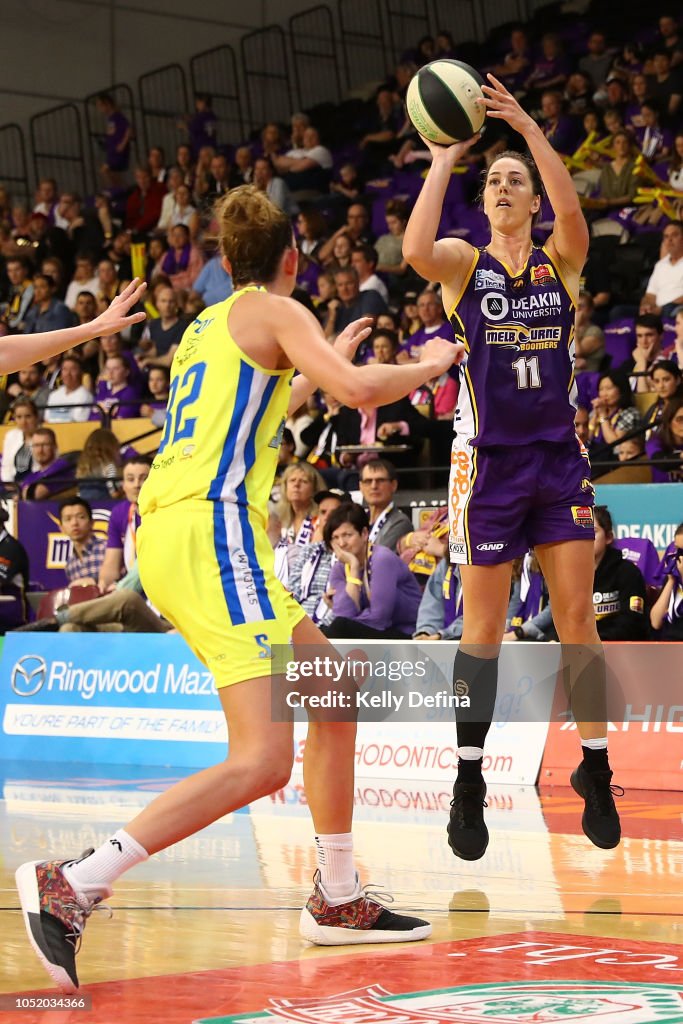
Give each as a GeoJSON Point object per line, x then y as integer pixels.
{"type": "Point", "coordinates": [546, 928]}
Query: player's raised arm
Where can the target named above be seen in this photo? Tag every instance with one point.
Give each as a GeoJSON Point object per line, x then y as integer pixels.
{"type": "Point", "coordinates": [299, 335]}
{"type": "Point", "coordinates": [447, 258]}
{"type": "Point", "coordinates": [570, 235]}
{"type": "Point", "coordinates": [346, 344]}
{"type": "Point", "coordinates": [19, 350]}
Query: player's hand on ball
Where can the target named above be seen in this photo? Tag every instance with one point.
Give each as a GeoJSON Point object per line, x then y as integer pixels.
{"type": "Point", "coordinates": [450, 155]}
{"type": "Point", "coordinates": [442, 352]}
{"type": "Point", "coordinates": [348, 340]}
{"type": "Point", "coordinates": [115, 318]}
{"type": "Point", "coordinates": [502, 104]}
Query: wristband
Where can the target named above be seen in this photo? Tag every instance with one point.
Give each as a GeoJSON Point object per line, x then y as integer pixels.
{"type": "Point", "coordinates": [519, 632]}
{"type": "Point", "coordinates": [354, 579]}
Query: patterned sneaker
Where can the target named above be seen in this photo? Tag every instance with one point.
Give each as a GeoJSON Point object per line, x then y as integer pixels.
{"type": "Point", "coordinates": [468, 835]}
{"type": "Point", "coordinates": [600, 819]}
{"type": "Point", "coordinates": [360, 919]}
{"type": "Point", "coordinates": [55, 916]}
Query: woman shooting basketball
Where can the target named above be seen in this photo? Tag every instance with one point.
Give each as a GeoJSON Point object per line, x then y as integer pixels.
{"type": "Point", "coordinates": [519, 476]}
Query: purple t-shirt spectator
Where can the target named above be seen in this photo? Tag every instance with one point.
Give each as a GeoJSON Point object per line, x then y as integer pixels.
{"type": "Point", "coordinates": [670, 468]}
{"type": "Point", "coordinates": [413, 345]}
{"type": "Point", "coordinates": [123, 524]}
{"type": "Point", "coordinates": [643, 554]}
{"type": "Point", "coordinates": [56, 477]}
{"type": "Point", "coordinates": [126, 408]}
{"type": "Point", "coordinates": [562, 135]}
{"type": "Point", "coordinates": [117, 126]}
{"type": "Point", "coordinates": [394, 591]}
{"type": "Point", "coordinates": [202, 130]}
{"type": "Point", "coordinates": [547, 68]}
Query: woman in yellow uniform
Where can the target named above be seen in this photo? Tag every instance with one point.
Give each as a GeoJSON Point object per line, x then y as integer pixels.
{"type": "Point", "coordinates": [206, 563]}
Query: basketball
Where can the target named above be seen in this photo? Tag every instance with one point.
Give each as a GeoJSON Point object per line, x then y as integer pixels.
{"type": "Point", "coordinates": [442, 101]}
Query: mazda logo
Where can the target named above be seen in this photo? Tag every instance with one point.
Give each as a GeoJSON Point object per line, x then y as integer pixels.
{"type": "Point", "coordinates": [28, 675]}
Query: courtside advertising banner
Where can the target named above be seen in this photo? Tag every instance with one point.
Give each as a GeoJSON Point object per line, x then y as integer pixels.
{"type": "Point", "coordinates": [650, 511]}
{"type": "Point", "coordinates": [145, 699]}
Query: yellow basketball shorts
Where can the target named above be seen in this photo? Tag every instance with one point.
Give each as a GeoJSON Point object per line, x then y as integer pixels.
{"type": "Point", "coordinates": [209, 569]}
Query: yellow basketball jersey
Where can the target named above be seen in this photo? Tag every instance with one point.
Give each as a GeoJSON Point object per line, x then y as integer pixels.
{"type": "Point", "coordinates": [224, 421]}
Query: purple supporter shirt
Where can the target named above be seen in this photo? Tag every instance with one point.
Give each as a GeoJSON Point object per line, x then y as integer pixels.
{"type": "Point", "coordinates": [127, 407]}
{"type": "Point", "coordinates": [55, 477]}
{"type": "Point", "coordinates": [117, 126]}
{"type": "Point", "coordinates": [202, 130]}
{"type": "Point", "coordinates": [667, 472]}
{"type": "Point", "coordinates": [643, 554]}
{"type": "Point", "coordinates": [396, 595]}
{"type": "Point", "coordinates": [413, 345]}
{"type": "Point", "coordinates": [121, 531]}
{"type": "Point", "coordinates": [516, 385]}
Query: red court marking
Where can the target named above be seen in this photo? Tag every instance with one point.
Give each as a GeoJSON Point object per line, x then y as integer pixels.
{"type": "Point", "coordinates": [518, 957]}
{"type": "Point", "coordinates": [646, 814]}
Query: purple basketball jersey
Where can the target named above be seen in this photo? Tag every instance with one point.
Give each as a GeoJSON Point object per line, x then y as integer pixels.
{"type": "Point", "coordinates": [517, 383]}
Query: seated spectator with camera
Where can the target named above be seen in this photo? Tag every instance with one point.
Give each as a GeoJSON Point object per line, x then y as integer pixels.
{"type": "Point", "coordinates": [666, 614]}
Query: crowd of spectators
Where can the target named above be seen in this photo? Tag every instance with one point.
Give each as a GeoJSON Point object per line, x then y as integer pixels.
{"type": "Point", "coordinates": [612, 107]}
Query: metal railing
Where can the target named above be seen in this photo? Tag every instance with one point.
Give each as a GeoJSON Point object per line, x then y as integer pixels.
{"type": "Point", "coordinates": [366, 58]}
{"type": "Point", "coordinates": [163, 102]}
{"type": "Point", "coordinates": [315, 51]}
{"type": "Point", "coordinates": [215, 72]}
{"type": "Point", "coordinates": [13, 166]}
{"type": "Point", "coordinates": [407, 22]}
{"type": "Point", "coordinates": [267, 76]}
{"type": "Point", "coordinates": [57, 144]}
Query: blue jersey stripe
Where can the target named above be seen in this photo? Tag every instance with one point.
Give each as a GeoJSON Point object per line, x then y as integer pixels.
{"type": "Point", "coordinates": [220, 530]}
{"type": "Point", "coordinates": [228, 454]}
{"type": "Point", "coordinates": [247, 529]}
{"type": "Point", "coordinates": [220, 539]}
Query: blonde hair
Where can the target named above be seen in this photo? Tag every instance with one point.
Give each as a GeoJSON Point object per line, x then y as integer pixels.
{"type": "Point", "coordinates": [254, 233]}
{"type": "Point", "coordinates": [284, 509]}
{"type": "Point", "coordinates": [101, 449]}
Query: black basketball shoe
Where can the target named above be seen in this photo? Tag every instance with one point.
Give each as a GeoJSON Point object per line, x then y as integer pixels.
{"type": "Point", "coordinates": [468, 835]}
{"type": "Point", "coordinates": [600, 819]}
{"type": "Point", "coordinates": [55, 916]}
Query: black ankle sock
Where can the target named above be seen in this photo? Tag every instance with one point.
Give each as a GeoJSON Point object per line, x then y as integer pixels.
{"type": "Point", "coordinates": [477, 678]}
{"type": "Point", "coordinates": [469, 771]}
{"type": "Point", "coordinates": [595, 760]}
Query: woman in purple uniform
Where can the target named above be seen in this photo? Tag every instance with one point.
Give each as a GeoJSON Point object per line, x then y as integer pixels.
{"type": "Point", "coordinates": [519, 475]}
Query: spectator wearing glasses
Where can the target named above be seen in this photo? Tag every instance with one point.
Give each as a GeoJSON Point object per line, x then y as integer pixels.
{"type": "Point", "coordinates": [386, 523]}
{"type": "Point", "coordinates": [49, 472]}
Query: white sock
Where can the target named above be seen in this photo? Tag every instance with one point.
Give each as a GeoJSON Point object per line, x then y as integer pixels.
{"type": "Point", "coordinates": [95, 875]}
{"type": "Point", "coordinates": [337, 871]}
{"type": "Point", "coordinates": [470, 753]}
{"type": "Point", "coordinates": [599, 744]}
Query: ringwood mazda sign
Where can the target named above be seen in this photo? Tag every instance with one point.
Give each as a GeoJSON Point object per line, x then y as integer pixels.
{"type": "Point", "coordinates": [28, 675]}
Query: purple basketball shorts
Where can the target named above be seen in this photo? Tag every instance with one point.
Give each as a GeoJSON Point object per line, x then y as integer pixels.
{"type": "Point", "coordinates": [504, 500]}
